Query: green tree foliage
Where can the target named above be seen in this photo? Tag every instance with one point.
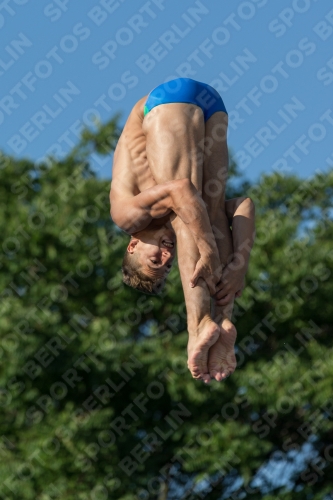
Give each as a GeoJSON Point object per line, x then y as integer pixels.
{"type": "Point", "coordinates": [96, 400]}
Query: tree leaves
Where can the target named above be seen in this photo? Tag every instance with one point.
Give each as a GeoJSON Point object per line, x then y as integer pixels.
{"type": "Point", "coordinates": [96, 398]}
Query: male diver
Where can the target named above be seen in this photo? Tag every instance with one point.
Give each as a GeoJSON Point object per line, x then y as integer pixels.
{"type": "Point", "coordinates": [168, 187]}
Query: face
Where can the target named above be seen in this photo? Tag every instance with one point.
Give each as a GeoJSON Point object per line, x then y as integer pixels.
{"type": "Point", "coordinates": [155, 250]}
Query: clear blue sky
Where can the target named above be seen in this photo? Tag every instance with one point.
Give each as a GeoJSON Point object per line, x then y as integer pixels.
{"type": "Point", "coordinates": [63, 62]}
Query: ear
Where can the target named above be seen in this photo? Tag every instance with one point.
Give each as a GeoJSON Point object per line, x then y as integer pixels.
{"type": "Point", "coordinates": [132, 245]}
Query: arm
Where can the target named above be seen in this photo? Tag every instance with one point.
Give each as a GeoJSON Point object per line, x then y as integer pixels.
{"type": "Point", "coordinates": [133, 214]}
{"type": "Point", "coordinates": [180, 196]}
{"type": "Point", "coordinates": [241, 215]}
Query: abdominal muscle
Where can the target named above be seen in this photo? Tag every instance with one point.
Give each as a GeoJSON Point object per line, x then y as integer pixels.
{"type": "Point", "coordinates": [130, 159]}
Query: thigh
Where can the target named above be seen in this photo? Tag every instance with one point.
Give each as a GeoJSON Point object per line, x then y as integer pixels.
{"type": "Point", "coordinates": [215, 169]}
{"type": "Point", "coordinates": [215, 172]}
{"type": "Point", "coordinates": [174, 136]}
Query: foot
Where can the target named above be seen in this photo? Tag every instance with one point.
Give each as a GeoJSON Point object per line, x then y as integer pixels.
{"type": "Point", "coordinates": [198, 345]}
{"type": "Point", "coordinates": [221, 356]}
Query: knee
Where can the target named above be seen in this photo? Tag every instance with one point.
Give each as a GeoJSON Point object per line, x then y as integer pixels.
{"type": "Point", "coordinates": [250, 204]}
{"type": "Point", "coordinates": [245, 201]}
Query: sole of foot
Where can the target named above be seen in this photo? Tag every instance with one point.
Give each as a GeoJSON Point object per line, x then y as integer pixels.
{"type": "Point", "coordinates": [221, 356]}
{"type": "Point", "coordinates": [198, 346]}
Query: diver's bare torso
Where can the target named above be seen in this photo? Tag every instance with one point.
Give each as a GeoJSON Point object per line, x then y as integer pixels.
{"type": "Point", "coordinates": [131, 174]}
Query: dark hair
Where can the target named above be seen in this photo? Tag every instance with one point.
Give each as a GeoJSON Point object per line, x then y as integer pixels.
{"type": "Point", "coordinates": [134, 277]}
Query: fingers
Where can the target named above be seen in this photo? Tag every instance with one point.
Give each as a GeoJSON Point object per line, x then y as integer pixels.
{"type": "Point", "coordinates": [211, 288]}
{"type": "Point", "coordinates": [214, 284]}
{"type": "Point", "coordinates": [210, 284]}
{"type": "Point", "coordinates": [194, 278]}
{"type": "Point", "coordinates": [221, 289]}
{"type": "Point", "coordinates": [222, 292]}
{"type": "Point", "coordinates": [210, 281]}
{"type": "Point", "coordinates": [225, 300]}
{"type": "Point", "coordinates": [222, 284]}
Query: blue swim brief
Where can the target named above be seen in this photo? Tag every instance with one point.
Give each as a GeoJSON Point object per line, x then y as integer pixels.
{"type": "Point", "coordinates": [189, 91]}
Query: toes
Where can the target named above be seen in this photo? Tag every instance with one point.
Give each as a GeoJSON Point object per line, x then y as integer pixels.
{"type": "Point", "coordinates": [197, 375]}
{"type": "Point", "coordinates": [219, 375]}
{"type": "Point", "coordinates": [198, 357]}
{"type": "Point", "coordinates": [195, 372]}
{"type": "Point", "coordinates": [198, 368]}
{"type": "Point", "coordinates": [225, 361]}
{"type": "Point", "coordinates": [213, 373]}
{"type": "Point", "coordinates": [227, 372]}
{"type": "Point", "coordinates": [220, 368]}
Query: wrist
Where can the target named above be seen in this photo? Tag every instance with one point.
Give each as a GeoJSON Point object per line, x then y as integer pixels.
{"type": "Point", "coordinates": [239, 264]}
{"type": "Point", "coordinates": [206, 247]}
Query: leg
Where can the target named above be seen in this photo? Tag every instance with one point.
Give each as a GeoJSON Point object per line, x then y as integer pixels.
{"type": "Point", "coordinates": [221, 361]}
{"type": "Point", "coordinates": [173, 133]}
{"type": "Point", "coordinates": [203, 332]}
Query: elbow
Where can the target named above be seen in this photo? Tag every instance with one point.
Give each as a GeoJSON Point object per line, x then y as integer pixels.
{"type": "Point", "coordinates": [123, 225]}
{"type": "Point", "coordinates": [110, 205]}
{"type": "Point", "coordinates": [117, 219]}
{"type": "Point", "coordinates": [112, 214]}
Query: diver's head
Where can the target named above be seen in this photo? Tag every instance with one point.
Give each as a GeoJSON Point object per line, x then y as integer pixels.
{"type": "Point", "coordinates": [148, 259]}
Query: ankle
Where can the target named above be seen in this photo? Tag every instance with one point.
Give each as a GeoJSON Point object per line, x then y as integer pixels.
{"type": "Point", "coordinates": [195, 325]}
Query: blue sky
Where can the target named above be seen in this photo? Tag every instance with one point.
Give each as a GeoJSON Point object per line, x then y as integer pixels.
{"type": "Point", "coordinates": [63, 63]}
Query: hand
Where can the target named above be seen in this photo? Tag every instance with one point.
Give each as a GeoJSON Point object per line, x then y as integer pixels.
{"type": "Point", "coordinates": [231, 285]}
{"type": "Point", "coordinates": [208, 268]}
